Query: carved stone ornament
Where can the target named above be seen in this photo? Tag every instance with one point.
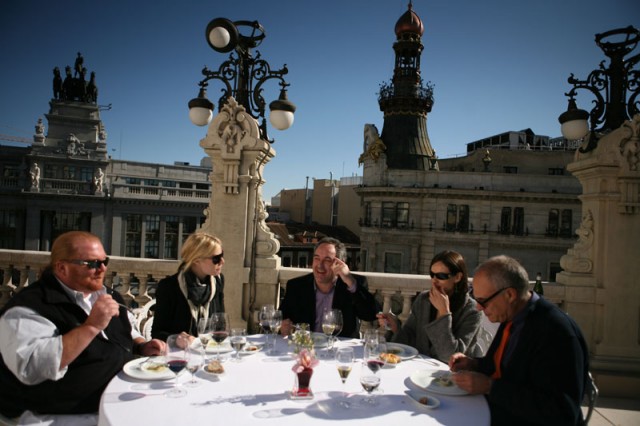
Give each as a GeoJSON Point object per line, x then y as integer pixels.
{"type": "Point", "coordinates": [578, 258]}
{"type": "Point", "coordinates": [629, 179]}
{"type": "Point", "coordinates": [373, 145]}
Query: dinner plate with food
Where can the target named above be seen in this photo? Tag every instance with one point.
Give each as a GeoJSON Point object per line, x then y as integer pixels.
{"type": "Point", "coordinates": [423, 399]}
{"type": "Point", "coordinates": [436, 381]}
{"type": "Point", "coordinates": [154, 368]}
{"type": "Point", "coordinates": [251, 348]}
{"type": "Point", "coordinates": [405, 352]}
{"type": "Point", "coordinates": [390, 359]}
{"type": "Point", "coordinates": [213, 347]}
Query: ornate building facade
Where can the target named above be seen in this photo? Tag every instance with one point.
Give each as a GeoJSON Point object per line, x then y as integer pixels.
{"type": "Point", "coordinates": [510, 194]}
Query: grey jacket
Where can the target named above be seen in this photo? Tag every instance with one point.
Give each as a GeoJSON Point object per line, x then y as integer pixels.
{"type": "Point", "coordinates": [456, 332]}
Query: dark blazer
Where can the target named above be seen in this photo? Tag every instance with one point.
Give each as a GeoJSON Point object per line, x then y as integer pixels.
{"type": "Point", "coordinates": [172, 314]}
{"type": "Point", "coordinates": [299, 304]}
{"type": "Point", "coordinates": [544, 380]}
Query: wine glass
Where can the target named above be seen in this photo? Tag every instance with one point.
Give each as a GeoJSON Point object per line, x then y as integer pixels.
{"type": "Point", "coordinates": [195, 360]}
{"type": "Point", "coordinates": [238, 339]}
{"type": "Point", "coordinates": [371, 366]}
{"type": "Point", "coordinates": [204, 332]}
{"type": "Point", "coordinates": [275, 324]}
{"type": "Point", "coordinates": [337, 319]}
{"type": "Point", "coordinates": [264, 318]}
{"type": "Point", "coordinates": [344, 363]}
{"type": "Point", "coordinates": [219, 330]}
{"type": "Point", "coordinates": [176, 361]}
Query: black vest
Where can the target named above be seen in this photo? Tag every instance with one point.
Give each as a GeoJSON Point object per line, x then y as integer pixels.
{"type": "Point", "coordinates": [80, 389]}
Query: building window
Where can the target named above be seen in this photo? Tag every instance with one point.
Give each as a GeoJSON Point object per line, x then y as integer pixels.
{"type": "Point", "coordinates": [189, 226]}
{"type": "Point", "coordinates": [452, 217]}
{"type": "Point", "coordinates": [86, 174]}
{"type": "Point", "coordinates": [133, 235]}
{"type": "Point", "coordinates": [132, 181]}
{"type": "Point", "coordinates": [402, 215]}
{"type": "Point", "coordinates": [566, 223]}
{"type": "Point", "coordinates": [392, 263]}
{"type": "Point", "coordinates": [303, 261]}
{"type": "Point", "coordinates": [518, 221]}
{"type": "Point", "coordinates": [510, 169]}
{"type": "Point", "coordinates": [505, 220]}
{"type": "Point", "coordinates": [367, 214]}
{"type": "Point", "coordinates": [8, 229]}
{"type": "Point", "coordinates": [556, 171]}
{"type": "Point", "coordinates": [69, 172]}
{"type": "Point", "coordinates": [152, 237]}
{"type": "Point", "coordinates": [463, 218]}
{"type": "Point", "coordinates": [51, 171]}
{"type": "Point", "coordinates": [388, 214]}
{"type": "Point", "coordinates": [552, 224]}
{"type": "Point", "coordinates": [171, 230]}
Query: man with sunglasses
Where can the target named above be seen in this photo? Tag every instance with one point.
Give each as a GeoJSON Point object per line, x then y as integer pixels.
{"type": "Point", "coordinates": [64, 337]}
{"type": "Point", "coordinates": [535, 369]}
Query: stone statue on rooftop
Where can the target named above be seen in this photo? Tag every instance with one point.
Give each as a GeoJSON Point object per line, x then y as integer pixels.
{"type": "Point", "coordinates": [34, 174]}
{"type": "Point", "coordinates": [78, 65]}
{"type": "Point", "coordinates": [57, 84]}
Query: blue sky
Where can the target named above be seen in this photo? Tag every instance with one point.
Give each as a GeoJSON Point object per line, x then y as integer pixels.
{"type": "Point", "coordinates": [497, 65]}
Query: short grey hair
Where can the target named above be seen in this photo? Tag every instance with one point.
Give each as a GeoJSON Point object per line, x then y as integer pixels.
{"type": "Point", "coordinates": [341, 249]}
{"type": "Point", "coordinates": [505, 271]}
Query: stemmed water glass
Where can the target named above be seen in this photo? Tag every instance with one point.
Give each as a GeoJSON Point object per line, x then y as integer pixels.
{"type": "Point", "coordinates": [275, 323]}
{"type": "Point", "coordinates": [195, 360]}
{"type": "Point", "coordinates": [337, 319]}
{"type": "Point", "coordinates": [344, 362]}
{"type": "Point", "coordinates": [177, 355]}
{"type": "Point", "coordinates": [204, 332]}
{"type": "Point", "coordinates": [332, 326]}
{"type": "Point", "coordinates": [219, 330]}
{"type": "Point", "coordinates": [238, 340]}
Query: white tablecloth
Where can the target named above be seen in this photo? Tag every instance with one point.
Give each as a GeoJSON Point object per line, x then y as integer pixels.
{"type": "Point", "coordinates": [257, 391]}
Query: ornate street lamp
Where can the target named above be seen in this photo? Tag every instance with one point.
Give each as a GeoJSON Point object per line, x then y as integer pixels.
{"type": "Point", "coordinates": [609, 86]}
{"type": "Point", "coordinates": [243, 76]}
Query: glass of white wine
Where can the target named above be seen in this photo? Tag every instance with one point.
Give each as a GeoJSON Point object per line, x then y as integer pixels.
{"type": "Point", "coordinates": [204, 332]}
{"type": "Point", "coordinates": [344, 362]}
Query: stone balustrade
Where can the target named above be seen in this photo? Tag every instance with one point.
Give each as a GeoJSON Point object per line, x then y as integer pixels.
{"type": "Point", "coordinates": [135, 280]}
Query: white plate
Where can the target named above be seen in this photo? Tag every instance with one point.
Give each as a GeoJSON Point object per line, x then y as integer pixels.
{"type": "Point", "coordinates": [416, 396]}
{"type": "Point", "coordinates": [251, 348]}
{"type": "Point", "coordinates": [426, 379]}
{"type": "Point", "coordinates": [403, 351]}
{"type": "Point", "coordinates": [138, 369]}
{"type": "Point", "coordinates": [213, 347]}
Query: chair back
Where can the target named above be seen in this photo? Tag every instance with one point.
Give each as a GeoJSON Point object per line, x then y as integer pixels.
{"type": "Point", "coordinates": [590, 395]}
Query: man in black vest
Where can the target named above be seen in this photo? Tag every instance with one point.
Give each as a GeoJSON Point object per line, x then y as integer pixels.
{"type": "Point", "coordinates": [65, 336]}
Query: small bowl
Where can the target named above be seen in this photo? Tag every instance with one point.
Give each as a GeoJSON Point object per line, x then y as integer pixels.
{"type": "Point", "coordinates": [419, 398]}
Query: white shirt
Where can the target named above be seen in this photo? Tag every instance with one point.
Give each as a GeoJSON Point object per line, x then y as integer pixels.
{"type": "Point", "coordinates": [31, 345]}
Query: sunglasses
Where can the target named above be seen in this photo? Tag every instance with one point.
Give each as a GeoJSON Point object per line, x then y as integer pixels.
{"type": "Point", "coordinates": [217, 258]}
{"type": "Point", "coordinates": [484, 302]}
{"type": "Point", "coordinates": [90, 264]}
{"type": "Point", "coordinates": [440, 275]}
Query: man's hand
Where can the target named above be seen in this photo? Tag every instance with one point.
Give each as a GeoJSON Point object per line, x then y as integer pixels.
{"type": "Point", "coordinates": [460, 361]}
{"type": "Point", "coordinates": [342, 269]}
{"type": "Point", "coordinates": [472, 382]}
{"type": "Point", "coordinates": [286, 327]}
{"type": "Point", "coordinates": [151, 348]}
{"type": "Point", "coordinates": [102, 311]}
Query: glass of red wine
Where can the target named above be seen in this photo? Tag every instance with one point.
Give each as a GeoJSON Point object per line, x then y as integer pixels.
{"type": "Point", "coordinates": [265, 318]}
{"type": "Point", "coordinates": [219, 330]}
{"type": "Point", "coordinates": [177, 359]}
{"type": "Point", "coordinates": [370, 371]}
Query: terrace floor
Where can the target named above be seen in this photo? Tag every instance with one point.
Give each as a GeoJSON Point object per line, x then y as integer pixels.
{"type": "Point", "coordinates": [616, 411]}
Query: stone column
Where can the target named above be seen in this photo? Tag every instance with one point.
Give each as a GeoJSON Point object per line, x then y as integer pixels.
{"type": "Point", "coordinates": [601, 271]}
{"type": "Point", "coordinates": [236, 212]}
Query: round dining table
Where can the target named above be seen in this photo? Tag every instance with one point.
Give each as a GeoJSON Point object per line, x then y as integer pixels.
{"type": "Point", "coordinates": [258, 390]}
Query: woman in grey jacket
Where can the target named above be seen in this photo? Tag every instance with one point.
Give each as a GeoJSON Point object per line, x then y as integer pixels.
{"type": "Point", "coordinates": [443, 320]}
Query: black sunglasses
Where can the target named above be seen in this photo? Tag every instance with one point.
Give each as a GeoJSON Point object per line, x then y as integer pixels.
{"type": "Point", "coordinates": [90, 264]}
{"type": "Point", "coordinates": [440, 275]}
{"type": "Point", "coordinates": [217, 258]}
{"type": "Point", "coordinates": [484, 302]}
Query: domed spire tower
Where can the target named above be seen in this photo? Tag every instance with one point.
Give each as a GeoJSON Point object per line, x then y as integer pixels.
{"type": "Point", "coordinates": [405, 101]}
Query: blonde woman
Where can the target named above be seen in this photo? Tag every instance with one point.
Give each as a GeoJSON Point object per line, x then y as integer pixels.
{"type": "Point", "coordinates": [195, 291]}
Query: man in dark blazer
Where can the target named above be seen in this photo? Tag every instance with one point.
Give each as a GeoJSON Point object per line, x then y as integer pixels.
{"type": "Point", "coordinates": [536, 367]}
{"type": "Point", "coordinates": [330, 286]}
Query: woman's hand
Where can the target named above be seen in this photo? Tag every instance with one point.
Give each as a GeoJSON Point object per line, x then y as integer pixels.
{"type": "Point", "coordinates": [440, 301]}
{"type": "Point", "coordinates": [389, 320]}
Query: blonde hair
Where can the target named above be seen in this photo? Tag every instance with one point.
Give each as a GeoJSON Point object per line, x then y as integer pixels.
{"type": "Point", "coordinates": [65, 246]}
{"type": "Point", "coordinates": [196, 246]}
